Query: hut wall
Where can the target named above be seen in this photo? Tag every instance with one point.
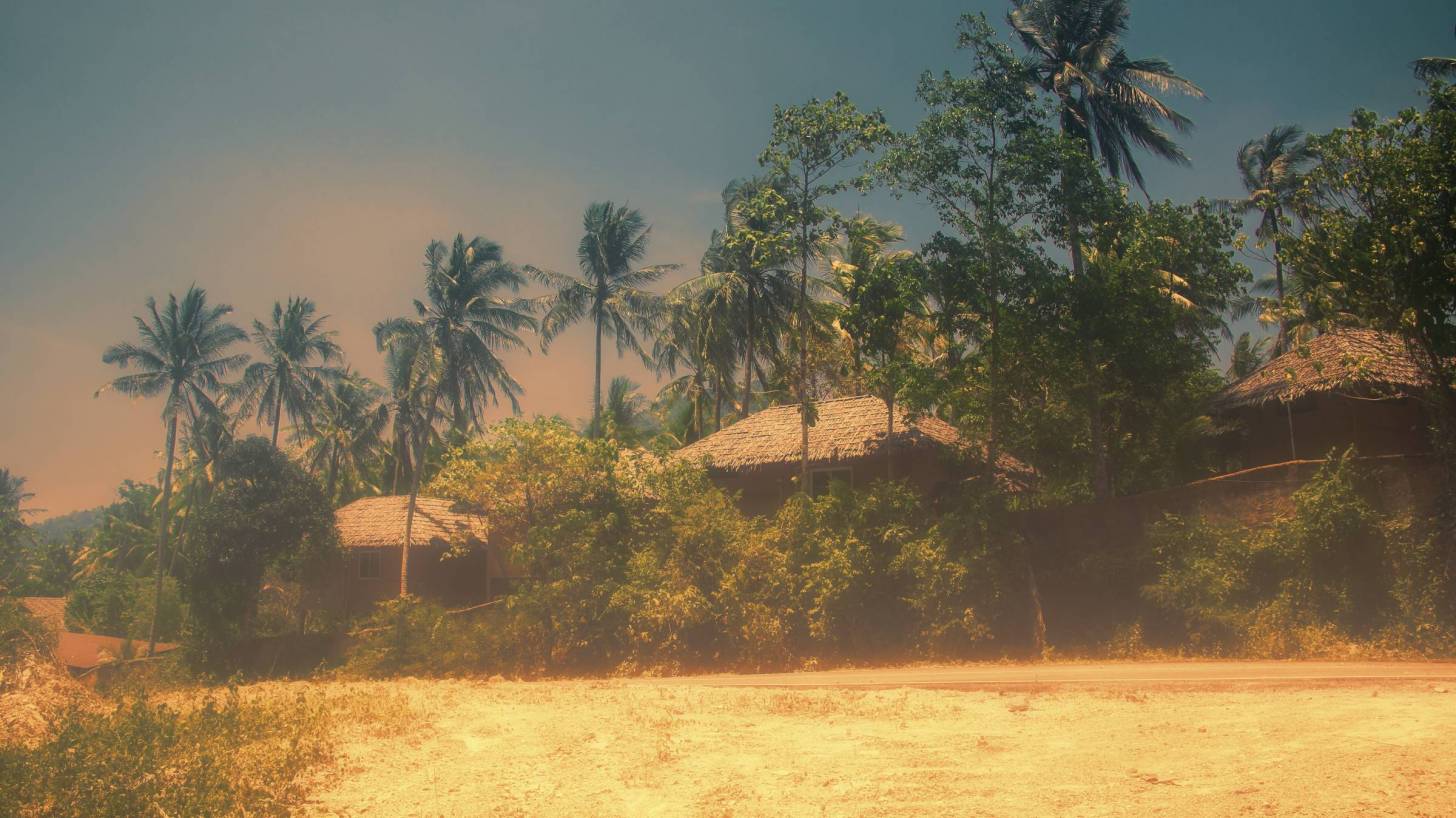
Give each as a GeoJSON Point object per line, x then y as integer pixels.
{"type": "Point", "coordinates": [764, 490]}
{"type": "Point", "coordinates": [1328, 421]}
{"type": "Point", "coordinates": [1089, 557]}
{"type": "Point", "coordinates": [458, 580]}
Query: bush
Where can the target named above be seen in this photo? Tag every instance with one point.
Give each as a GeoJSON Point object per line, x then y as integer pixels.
{"type": "Point", "coordinates": [225, 758]}
{"type": "Point", "coordinates": [116, 603]}
{"type": "Point", "coordinates": [20, 633]}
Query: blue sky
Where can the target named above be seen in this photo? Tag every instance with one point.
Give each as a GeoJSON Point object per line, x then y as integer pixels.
{"type": "Point", "coordinates": [269, 149]}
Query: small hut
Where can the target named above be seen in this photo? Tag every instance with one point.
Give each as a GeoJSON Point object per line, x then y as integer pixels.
{"type": "Point", "coordinates": [1352, 386]}
{"type": "Point", "coordinates": [759, 455]}
{"type": "Point", "coordinates": [451, 559]}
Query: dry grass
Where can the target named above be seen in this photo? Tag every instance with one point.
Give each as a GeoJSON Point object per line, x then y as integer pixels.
{"type": "Point", "coordinates": [609, 748]}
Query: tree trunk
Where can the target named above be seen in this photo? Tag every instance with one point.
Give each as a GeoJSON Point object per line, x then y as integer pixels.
{"type": "Point", "coordinates": [163, 526]}
{"type": "Point", "coordinates": [718, 402]}
{"type": "Point", "coordinates": [890, 434]}
{"type": "Point", "coordinates": [409, 517]}
{"type": "Point", "coordinates": [1282, 339]}
{"type": "Point", "coordinates": [277, 414]}
{"type": "Point", "coordinates": [597, 385]}
{"type": "Point", "coordinates": [748, 361]}
{"type": "Point", "coordinates": [804, 339]}
{"type": "Point", "coordinates": [1038, 620]}
{"type": "Point", "coordinates": [333, 473]}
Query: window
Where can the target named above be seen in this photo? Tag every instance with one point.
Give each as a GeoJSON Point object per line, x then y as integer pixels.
{"type": "Point", "coordinates": [368, 560]}
{"type": "Point", "coordinates": [821, 479]}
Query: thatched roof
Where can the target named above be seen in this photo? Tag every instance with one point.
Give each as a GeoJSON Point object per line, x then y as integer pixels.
{"type": "Point", "coordinates": [1349, 359]}
{"type": "Point", "coordinates": [50, 611]}
{"type": "Point", "coordinates": [846, 429]}
{"type": "Point", "coordinates": [372, 522]}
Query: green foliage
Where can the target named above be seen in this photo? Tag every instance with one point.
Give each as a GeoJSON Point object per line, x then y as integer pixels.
{"type": "Point", "coordinates": [227, 757]}
{"type": "Point", "coordinates": [20, 633]}
{"type": "Point", "coordinates": [266, 513]}
{"type": "Point", "coordinates": [1333, 572]}
{"type": "Point", "coordinates": [116, 603]}
{"type": "Point", "coordinates": [1379, 246]}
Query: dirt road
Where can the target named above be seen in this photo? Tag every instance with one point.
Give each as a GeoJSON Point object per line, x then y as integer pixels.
{"type": "Point", "coordinates": [1119, 747]}
{"type": "Point", "coordinates": [977, 677]}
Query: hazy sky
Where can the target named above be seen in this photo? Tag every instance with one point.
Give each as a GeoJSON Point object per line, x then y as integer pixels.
{"type": "Point", "coordinates": [263, 150]}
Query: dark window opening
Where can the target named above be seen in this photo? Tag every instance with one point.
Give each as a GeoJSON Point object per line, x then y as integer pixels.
{"type": "Point", "coordinates": [820, 480]}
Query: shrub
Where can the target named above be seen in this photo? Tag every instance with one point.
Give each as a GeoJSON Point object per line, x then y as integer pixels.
{"type": "Point", "coordinates": [1202, 593]}
{"type": "Point", "coordinates": [117, 603]}
{"type": "Point", "coordinates": [225, 758]}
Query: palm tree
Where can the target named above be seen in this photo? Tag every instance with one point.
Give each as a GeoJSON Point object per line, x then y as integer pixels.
{"type": "Point", "coordinates": [749, 273]}
{"type": "Point", "coordinates": [625, 418]}
{"type": "Point", "coordinates": [453, 346]}
{"type": "Point", "coordinates": [287, 378]}
{"type": "Point", "coordinates": [1430, 68]}
{"type": "Point", "coordinates": [1106, 98]}
{"type": "Point", "coordinates": [610, 288]}
{"type": "Point", "coordinates": [1271, 168]}
{"type": "Point", "coordinates": [410, 382]}
{"type": "Point", "coordinates": [1246, 356]}
{"type": "Point", "coordinates": [696, 334]}
{"type": "Point", "coordinates": [183, 354]}
{"type": "Point", "coordinates": [1106, 101]}
{"type": "Point", "coordinates": [859, 254]}
{"type": "Point", "coordinates": [348, 432]}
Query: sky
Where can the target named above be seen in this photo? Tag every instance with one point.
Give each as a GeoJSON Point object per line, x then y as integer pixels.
{"type": "Point", "coordinates": [262, 150]}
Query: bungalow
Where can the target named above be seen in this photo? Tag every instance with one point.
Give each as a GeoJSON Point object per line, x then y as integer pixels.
{"type": "Point", "coordinates": [759, 455]}
{"type": "Point", "coordinates": [1349, 386]}
{"type": "Point", "coordinates": [371, 533]}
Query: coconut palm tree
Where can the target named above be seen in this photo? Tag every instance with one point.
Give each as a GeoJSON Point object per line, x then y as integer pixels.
{"type": "Point", "coordinates": [610, 290]}
{"type": "Point", "coordinates": [748, 273]}
{"type": "Point", "coordinates": [862, 250]}
{"type": "Point", "coordinates": [348, 431]}
{"type": "Point", "coordinates": [697, 334]}
{"type": "Point", "coordinates": [182, 354]}
{"type": "Point", "coordinates": [1106, 99]}
{"type": "Point", "coordinates": [1246, 356]}
{"type": "Point", "coordinates": [452, 348]}
{"type": "Point", "coordinates": [1271, 169]}
{"type": "Point", "coordinates": [1430, 68]}
{"type": "Point", "coordinates": [294, 370]}
{"type": "Point", "coordinates": [625, 418]}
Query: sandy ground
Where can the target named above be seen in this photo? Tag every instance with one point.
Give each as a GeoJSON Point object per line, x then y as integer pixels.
{"type": "Point", "coordinates": [635, 749]}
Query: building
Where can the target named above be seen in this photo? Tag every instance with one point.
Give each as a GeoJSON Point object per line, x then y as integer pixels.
{"type": "Point", "coordinates": [1352, 386]}
{"type": "Point", "coordinates": [451, 559]}
{"type": "Point", "coordinates": [90, 656]}
{"type": "Point", "coordinates": [759, 455]}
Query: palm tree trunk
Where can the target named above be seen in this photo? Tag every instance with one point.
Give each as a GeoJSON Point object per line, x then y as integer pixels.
{"type": "Point", "coordinates": [597, 385]}
{"type": "Point", "coordinates": [162, 530]}
{"type": "Point", "coordinates": [409, 516]}
{"type": "Point", "coordinates": [718, 401]}
{"type": "Point", "coordinates": [748, 360]}
{"type": "Point", "coordinates": [333, 473]}
{"type": "Point", "coordinates": [277, 414]}
{"type": "Point", "coordinates": [1282, 339]}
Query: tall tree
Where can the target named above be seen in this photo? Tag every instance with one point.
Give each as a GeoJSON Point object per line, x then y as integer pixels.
{"type": "Point", "coordinates": [1271, 169]}
{"type": "Point", "coordinates": [182, 354]}
{"type": "Point", "coordinates": [808, 146]}
{"type": "Point", "coordinates": [1106, 102]}
{"type": "Point", "coordinates": [987, 162]}
{"type": "Point", "coordinates": [610, 290]}
{"type": "Point", "coordinates": [16, 537]}
{"type": "Point", "coordinates": [452, 346]}
{"type": "Point", "coordinates": [294, 369]}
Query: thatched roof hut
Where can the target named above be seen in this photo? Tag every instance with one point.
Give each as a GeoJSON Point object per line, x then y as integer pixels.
{"type": "Point", "coordinates": [848, 435]}
{"type": "Point", "coordinates": [1346, 360]}
{"type": "Point", "coordinates": [378, 522]}
{"type": "Point", "coordinates": [1349, 387]}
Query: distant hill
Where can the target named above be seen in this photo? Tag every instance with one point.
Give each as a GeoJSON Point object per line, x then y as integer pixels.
{"type": "Point", "coordinates": [59, 528]}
